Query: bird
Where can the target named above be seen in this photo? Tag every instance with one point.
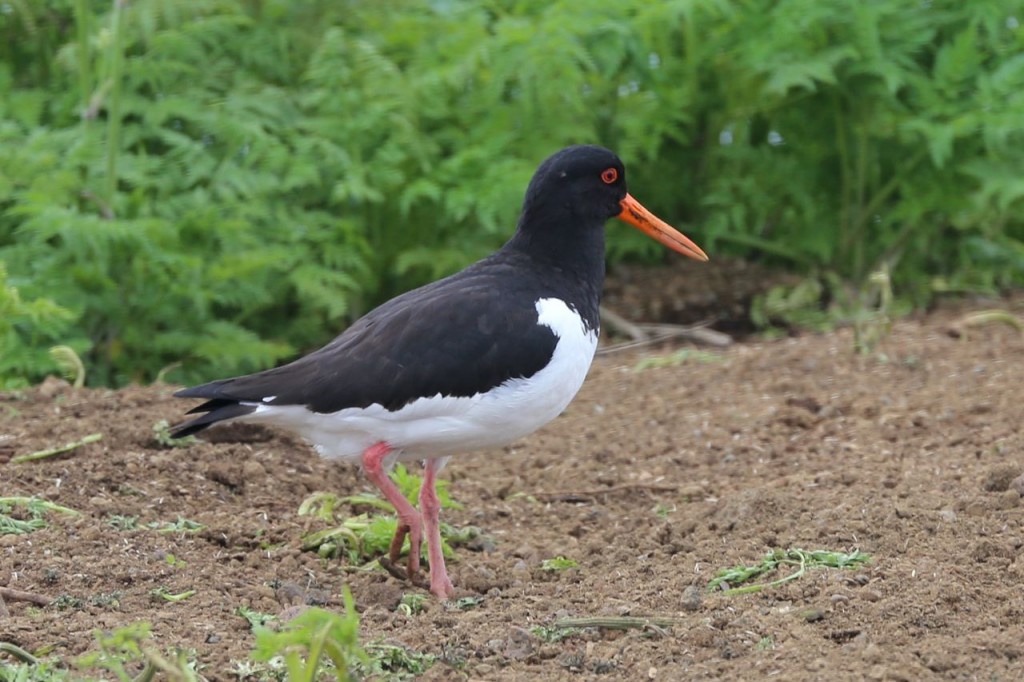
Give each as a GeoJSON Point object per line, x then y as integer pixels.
{"type": "Point", "coordinates": [473, 361]}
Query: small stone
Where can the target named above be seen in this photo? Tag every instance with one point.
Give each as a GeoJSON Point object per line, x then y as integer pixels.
{"type": "Point", "coordinates": [947, 515]}
{"type": "Point", "coordinates": [870, 595]}
{"type": "Point", "coordinates": [812, 615]}
{"type": "Point", "coordinates": [253, 471]}
{"type": "Point", "coordinates": [1008, 499]}
{"type": "Point", "coordinates": [1017, 485]}
{"type": "Point", "coordinates": [483, 669]}
{"type": "Point", "coordinates": [692, 599]}
{"type": "Point", "coordinates": [1000, 477]}
{"type": "Point", "coordinates": [839, 599]}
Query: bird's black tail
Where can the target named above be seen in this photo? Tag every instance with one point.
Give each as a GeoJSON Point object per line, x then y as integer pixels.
{"type": "Point", "coordinates": [216, 409]}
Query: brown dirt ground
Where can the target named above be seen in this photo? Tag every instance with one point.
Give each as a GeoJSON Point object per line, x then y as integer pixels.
{"type": "Point", "coordinates": [652, 480]}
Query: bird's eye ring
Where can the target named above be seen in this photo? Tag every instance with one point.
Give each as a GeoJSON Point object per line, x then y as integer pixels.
{"type": "Point", "coordinates": [609, 175]}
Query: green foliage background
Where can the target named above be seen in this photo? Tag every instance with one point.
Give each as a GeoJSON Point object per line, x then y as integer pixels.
{"type": "Point", "coordinates": [225, 183]}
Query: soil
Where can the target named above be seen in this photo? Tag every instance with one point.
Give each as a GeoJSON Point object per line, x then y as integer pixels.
{"type": "Point", "coordinates": [652, 481]}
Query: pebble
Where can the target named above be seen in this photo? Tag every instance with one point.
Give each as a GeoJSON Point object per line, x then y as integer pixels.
{"type": "Point", "coordinates": [812, 615]}
{"type": "Point", "coordinates": [1017, 485]}
{"type": "Point", "coordinates": [253, 470]}
{"type": "Point", "coordinates": [692, 599]}
{"type": "Point", "coordinates": [870, 595]}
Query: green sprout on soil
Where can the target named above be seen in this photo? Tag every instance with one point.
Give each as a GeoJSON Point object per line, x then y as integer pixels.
{"type": "Point", "coordinates": [70, 364]}
{"type": "Point", "coordinates": [799, 558]}
{"type": "Point", "coordinates": [162, 435]}
{"type": "Point", "coordinates": [33, 517]}
{"type": "Point", "coordinates": [323, 504]}
{"type": "Point", "coordinates": [553, 634]}
{"type": "Point", "coordinates": [559, 563]}
{"type": "Point", "coordinates": [465, 603]}
{"type": "Point", "coordinates": [411, 604]}
{"type": "Point", "coordinates": [127, 647]}
{"type": "Point", "coordinates": [59, 450]}
{"type": "Point", "coordinates": [313, 640]}
{"type": "Point", "coordinates": [256, 618]}
{"type": "Point", "coordinates": [122, 522]}
{"type": "Point", "coordinates": [30, 668]}
{"type": "Point", "coordinates": [182, 525]}
{"type": "Point", "coordinates": [392, 662]}
{"type": "Point", "coordinates": [163, 594]}
{"type": "Point", "coordinates": [872, 320]}
{"type": "Point", "coordinates": [701, 357]}
{"type": "Point", "coordinates": [363, 537]}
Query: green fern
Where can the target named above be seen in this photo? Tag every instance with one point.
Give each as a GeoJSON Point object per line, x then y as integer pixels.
{"type": "Point", "coordinates": [225, 184]}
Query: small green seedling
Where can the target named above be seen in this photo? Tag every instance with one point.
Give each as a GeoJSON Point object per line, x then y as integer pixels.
{"type": "Point", "coordinates": [163, 594]}
{"type": "Point", "coordinates": [182, 525]}
{"type": "Point", "coordinates": [559, 563]}
{"type": "Point", "coordinates": [70, 364]}
{"type": "Point", "coordinates": [34, 508]}
{"type": "Point", "coordinates": [391, 662]}
{"type": "Point", "coordinates": [801, 559]}
{"type": "Point", "coordinates": [553, 634]}
{"type": "Point", "coordinates": [128, 646]}
{"type": "Point", "coordinates": [312, 639]}
{"type": "Point", "coordinates": [680, 357]}
{"type": "Point", "coordinates": [162, 435]}
{"type": "Point", "coordinates": [466, 603]}
{"type": "Point", "coordinates": [59, 450]}
{"type": "Point", "coordinates": [122, 522]}
{"type": "Point", "coordinates": [255, 618]}
{"type": "Point", "coordinates": [322, 505]}
{"type": "Point", "coordinates": [411, 604]}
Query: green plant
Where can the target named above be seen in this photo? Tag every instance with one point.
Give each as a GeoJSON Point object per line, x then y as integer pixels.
{"type": "Point", "coordinates": [129, 646]}
{"type": "Point", "coordinates": [255, 618]}
{"type": "Point", "coordinates": [801, 559]}
{"type": "Point", "coordinates": [58, 450]}
{"type": "Point", "coordinates": [163, 594]}
{"type": "Point", "coordinates": [559, 563]}
{"type": "Point", "coordinates": [158, 153]}
{"type": "Point", "coordinates": [122, 522]}
{"type": "Point", "coordinates": [34, 508]}
{"type": "Point", "coordinates": [412, 604]}
{"type": "Point", "coordinates": [162, 435]}
{"type": "Point", "coordinates": [363, 537]}
{"type": "Point", "coordinates": [182, 525]}
{"type": "Point", "coordinates": [312, 639]}
{"type": "Point", "coordinates": [680, 357]}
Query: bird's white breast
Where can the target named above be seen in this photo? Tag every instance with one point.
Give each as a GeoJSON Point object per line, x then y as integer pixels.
{"type": "Point", "coordinates": [439, 426]}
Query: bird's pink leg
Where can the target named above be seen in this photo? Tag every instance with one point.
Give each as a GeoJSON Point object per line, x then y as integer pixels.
{"type": "Point", "coordinates": [409, 520]}
{"type": "Point", "coordinates": [430, 505]}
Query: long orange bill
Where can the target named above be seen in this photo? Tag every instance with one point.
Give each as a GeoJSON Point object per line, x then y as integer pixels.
{"type": "Point", "coordinates": [636, 215]}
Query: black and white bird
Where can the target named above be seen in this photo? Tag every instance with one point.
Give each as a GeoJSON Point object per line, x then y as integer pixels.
{"type": "Point", "coordinates": [473, 361]}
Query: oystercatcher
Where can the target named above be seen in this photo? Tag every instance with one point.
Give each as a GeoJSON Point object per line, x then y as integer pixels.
{"type": "Point", "coordinates": [472, 361]}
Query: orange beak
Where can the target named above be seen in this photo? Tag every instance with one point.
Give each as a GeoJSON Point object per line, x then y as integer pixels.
{"type": "Point", "coordinates": [639, 217]}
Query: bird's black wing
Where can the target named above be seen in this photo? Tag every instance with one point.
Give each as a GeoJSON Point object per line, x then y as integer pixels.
{"type": "Point", "coordinates": [457, 337]}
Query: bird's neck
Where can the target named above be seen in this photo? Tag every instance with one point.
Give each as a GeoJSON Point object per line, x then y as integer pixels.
{"type": "Point", "coordinates": [572, 249]}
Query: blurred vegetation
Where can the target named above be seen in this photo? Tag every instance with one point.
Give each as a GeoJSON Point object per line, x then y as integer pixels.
{"type": "Point", "coordinates": [229, 182]}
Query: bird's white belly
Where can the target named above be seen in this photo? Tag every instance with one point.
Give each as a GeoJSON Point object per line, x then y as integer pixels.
{"type": "Point", "coordinates": [442, 425]}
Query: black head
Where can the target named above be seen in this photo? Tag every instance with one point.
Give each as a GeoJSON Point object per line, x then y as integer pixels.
{"type": "Point", "coordinates": [583, 183]}
{"type": "Point", "coordinates": [571, 196]}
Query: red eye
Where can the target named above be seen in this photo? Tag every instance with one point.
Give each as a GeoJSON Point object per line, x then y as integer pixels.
{"type": "Point", "coordinates": [609, 175]}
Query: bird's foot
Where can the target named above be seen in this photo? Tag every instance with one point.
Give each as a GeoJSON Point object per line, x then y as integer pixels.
{"type": "Point", "coordinates": [440, 585]}
{"type": "Point", "coordinates": [402, 574]}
